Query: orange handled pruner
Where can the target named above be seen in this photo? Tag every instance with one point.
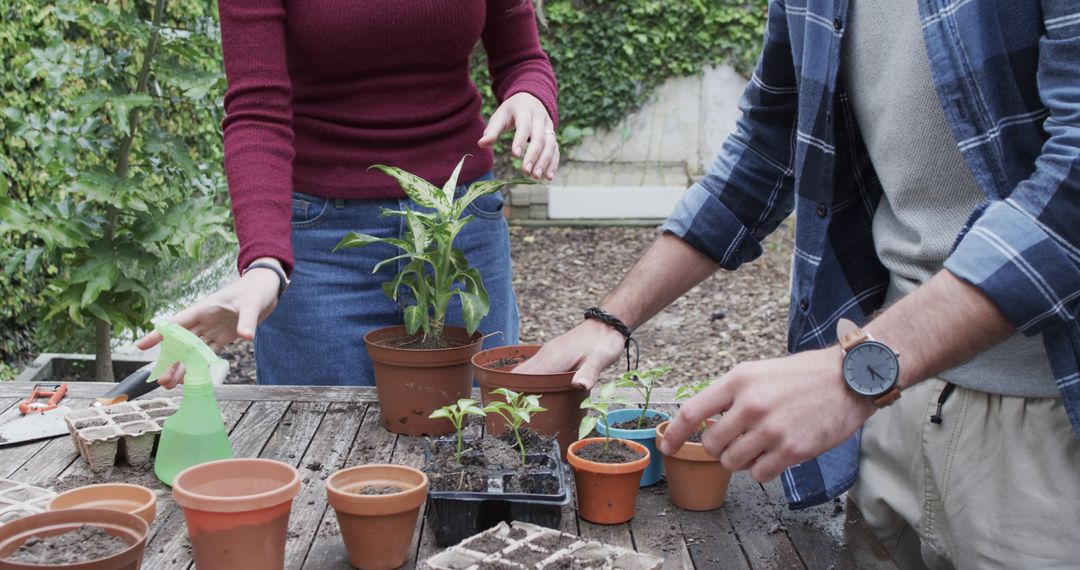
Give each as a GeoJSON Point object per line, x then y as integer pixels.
{"type": "Point", "coordinates": [54, 392]}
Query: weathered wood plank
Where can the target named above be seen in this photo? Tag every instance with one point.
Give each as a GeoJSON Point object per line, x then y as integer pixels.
{"type": "Point", "coordinates": [409, 451]}
{"type": "Point", "coordinates": [711, 540]}
{"type": "Point", "coordinates": [754, 518]}
{"type": "Point", "coordinates": [657, 528]}
{"type": "Point", "coordinates": [47, 459]}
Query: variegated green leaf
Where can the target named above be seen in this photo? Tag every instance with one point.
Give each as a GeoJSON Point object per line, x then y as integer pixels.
{"type": "Point", "coordinates": [414, 318]}
{"type": "Point", "coordinates": [417, 189]}
{"type": "Point", "coordinates": [483, 188]}
{"type": "Point", "coordinates": [354, 239]}
{"type": "Point", "coordinates": [451, 183]}
{"type": "Point", "coordinates": [419, 234]}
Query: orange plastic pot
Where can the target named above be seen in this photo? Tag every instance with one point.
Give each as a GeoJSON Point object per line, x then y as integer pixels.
{"type": "Point", "coordinates": [127, 526]}
{"type": "Point", "coordinates": [134, 499]}
{"type": "Point", "coordinates": [377, 529]}
{"type": "Point", "coordinates": [237, 511]}
{"type": "Point", "coordinates": [413, 383]}
{"type": "Point", "coordinates": [607, 492]}
{"type": "Point", "coordinates": [696, 480]}
{"type": "Point", "coordinates": [557, 394]}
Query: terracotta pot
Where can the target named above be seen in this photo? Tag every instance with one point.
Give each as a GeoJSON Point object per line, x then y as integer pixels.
{"type": "Point", "coordinates": [696, 480]}
{"type": "Point", "coordinates": [237, 511]}
{"type": "Point", "coordinates": [562, 400]}
{"type": "Point", "coordinates": [413, 383]}
{"type": "Point", "coordinates": [377, 529]}
{"type": "Point", "coordinates": [646, 437]}
{"type": "Point", "coordinates": [607, 492]}
{"type": "Point", "coordinates": [127, 526]}
{"type": "Point", "coordinates": [134, 499]}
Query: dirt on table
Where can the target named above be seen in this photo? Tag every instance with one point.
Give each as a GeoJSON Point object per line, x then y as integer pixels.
{"type": "Point", "coordinates": [650, 422]}
{"type": "Point", "coordinates": [84, 544]}
{"type": "Point", "coordinates": [379, 490]}
{"type": "Point", "coordinates": [617, 452]}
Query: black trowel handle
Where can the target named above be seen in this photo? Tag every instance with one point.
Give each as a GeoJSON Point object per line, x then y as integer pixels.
{"type": "Point", "coordinates": [129, 388]}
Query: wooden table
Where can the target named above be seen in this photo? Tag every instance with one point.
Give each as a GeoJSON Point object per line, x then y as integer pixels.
{"type": "Point", "coordinates": [338, 427]}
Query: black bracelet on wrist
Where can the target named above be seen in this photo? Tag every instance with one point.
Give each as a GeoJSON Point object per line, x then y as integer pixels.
{"type": "Point", "coordinates": [283, 281]}
{"type": "Point", "coordinates": [598, 314]}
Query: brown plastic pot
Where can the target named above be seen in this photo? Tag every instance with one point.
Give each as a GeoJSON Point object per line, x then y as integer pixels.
{"type": "Point", "coordinates": [696, 480]}
{"type": "Point", "coordinates": [607, 492]}
{"type": "Point", "coordinates": [377, 529]}
{"type": "Point", "coordinates": [134, 499]}
{"type": "Point", "coordinates": [413, 383]}
{"type": "Point", "coordinates": [237, 511]}
{"type": "Point", "coordinates": [557, 394]}
{"type": "Point", "coordinates": [127, 526]}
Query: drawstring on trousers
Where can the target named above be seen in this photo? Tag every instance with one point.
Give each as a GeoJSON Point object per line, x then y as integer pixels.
{"type": "Point", "coordinates": [949, 387]}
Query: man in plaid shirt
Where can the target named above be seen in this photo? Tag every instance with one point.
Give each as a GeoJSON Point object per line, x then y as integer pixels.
{"type": "Point", "coordinates": [931, 152]}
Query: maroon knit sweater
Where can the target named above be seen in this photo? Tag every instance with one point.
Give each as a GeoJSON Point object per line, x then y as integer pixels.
{"type": "Point", "coordinates": [322, 89]}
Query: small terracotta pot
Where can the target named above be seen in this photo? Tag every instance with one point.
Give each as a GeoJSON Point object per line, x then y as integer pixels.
{"type": "Point", "coordinates": [413, 383]}
{"type": "Point", "coordinates": [134, 499]}
{"type": "Point", "coordinates": [237, 511]}
{"type": "Point", "coordinates": [377, 529]}
{"type": "Point", "coordinates": [127, 526]}
{"type": "Point", "coordinates": [696, 480]}
{"type": "Point", "coordinates": [557, 394]}
{"type": "Point", "coordinates": [607, 492]}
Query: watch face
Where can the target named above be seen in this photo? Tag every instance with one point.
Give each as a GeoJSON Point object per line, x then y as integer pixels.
{"type": "Point", "coordinates": [871, 368]}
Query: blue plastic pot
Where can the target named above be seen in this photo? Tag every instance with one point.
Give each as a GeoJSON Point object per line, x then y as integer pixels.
{"type": "Point", "coordinates": [646, 437]}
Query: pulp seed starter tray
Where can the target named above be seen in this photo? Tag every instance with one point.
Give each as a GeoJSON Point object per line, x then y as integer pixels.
{"type": "Point", "coordinates": [129, 429]}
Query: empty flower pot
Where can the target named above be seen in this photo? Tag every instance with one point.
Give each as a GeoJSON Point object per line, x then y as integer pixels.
{"type": "Point", "coordinates": [377, 528]}
{"type": "Point", "coordinates": [413, 383]}
{"type": "Point", "coordinates": [130, 528]}
{"type": "Point", "coordinates": [696, 480]}
{"type": "Point", "coordinates": [644, 436]}
{"type": "Point", "coordinates": [134, 499]}
{"type": "Point", "coordinates": [495, 369]}
{"type": "Point", "coordinates": [237, 511]}
{"type": "Point", "coordinates": [607, 492]}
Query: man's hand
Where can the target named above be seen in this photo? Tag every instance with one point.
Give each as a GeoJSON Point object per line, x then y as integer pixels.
{"type": "Point", "coordinates": [777, 413]}
{"type": "Point", "coordinates": [588, 349]}
{"type": "Point", "coordinates": [531, 122]}
{"type": "Point", "coordinates": [232, 311]}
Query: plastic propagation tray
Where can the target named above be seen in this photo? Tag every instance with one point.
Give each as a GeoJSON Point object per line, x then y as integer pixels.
{"type": "Point", "coordinates": [128, 430]}
{"type": "Point", "coordinates": [18, 500]}
{"type": "Point", "coordinates": [455, 515]}
{"type": "Point", "coordinates": [523, 546]}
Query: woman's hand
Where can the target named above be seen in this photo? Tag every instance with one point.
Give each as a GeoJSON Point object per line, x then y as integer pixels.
{"type": "Point", "coordinates": [531, 122]}
{"type": "Point", "coordinates": [230, 312]}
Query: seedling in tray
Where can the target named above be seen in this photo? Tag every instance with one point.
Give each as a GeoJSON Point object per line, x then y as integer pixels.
{"type": "Point", "coordinates": [601, 406]}
{"type": "Point", "coordinates": [643, 381]}
{"type": "Point", "coordinates": [456, 413]}
{"type": "Point", "coordinates": [516, 410]}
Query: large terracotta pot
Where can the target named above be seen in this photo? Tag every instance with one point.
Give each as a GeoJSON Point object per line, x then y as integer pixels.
{"type": "Point", "coordinates": [696, 480]}
{"type": "Point", "coordinates": [127, 526]}
{"type": "Point", "coordinates": [414, 383]}
{"type": "Point", "coordinates": [557, 394]}
{"type": "Point", "coordinates": [377, 529]}
{"type": "Point", "coordinates": [134, 499]}
{"type": "Point", "coordinates": [607, 492]}
{"type": "Point", "coordinates": [237, 511]}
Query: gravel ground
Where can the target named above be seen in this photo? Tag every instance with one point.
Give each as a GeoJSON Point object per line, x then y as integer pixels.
{"type": "Point", "coordinates": [561, 271]}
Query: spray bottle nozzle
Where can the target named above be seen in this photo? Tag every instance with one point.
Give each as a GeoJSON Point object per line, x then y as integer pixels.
{"type": "Point", "coordinates": [181, 345]}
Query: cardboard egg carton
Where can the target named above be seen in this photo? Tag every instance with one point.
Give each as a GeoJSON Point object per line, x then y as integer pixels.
{"type": "Point", "coordinates": [18, 500]}
{"type": "Point", "coordinates": [523, 546]}
{"type": "Point", "coordinates": [128, 430]}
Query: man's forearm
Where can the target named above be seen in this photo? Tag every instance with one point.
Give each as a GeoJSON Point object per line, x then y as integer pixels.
{"type": "Point", "coordinates": [939, 326]}
{"type": "Point", "coordinates": [664, 273]}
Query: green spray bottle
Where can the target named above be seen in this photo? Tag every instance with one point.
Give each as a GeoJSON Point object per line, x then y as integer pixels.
{"type": "Point", "coordinates": [195, 433]}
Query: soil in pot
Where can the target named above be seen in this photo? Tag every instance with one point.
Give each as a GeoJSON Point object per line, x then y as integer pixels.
{"type": "Point", "coordinates": [84, 544]}
{"type": "Point", "coordinates": [418, 342]}
{"type": "Point", "coordinates": [617, 452]}
{"type": "Point", "coordinates": [695, 437]}
{"type": "Point", "coordinates": [490, 457]}
{"type": "Point", "coordinates": [379, 490]}
{"type": "Point", "coordinates": [650, 422]}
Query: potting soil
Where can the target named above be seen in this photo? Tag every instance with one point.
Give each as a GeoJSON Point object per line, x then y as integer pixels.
{"type": "Point", "coordinates": [379, 490]}
{"type": "Point", "coordinates": [696, 436]}
{"type": "Point", "coordinates": [488, 458]}
{"type": "Point", "coordinates": [84, 544]}
{"type": "Point", "coordinates": [650, 422]}
{"type": "Point", "coordinates": [617, 452]}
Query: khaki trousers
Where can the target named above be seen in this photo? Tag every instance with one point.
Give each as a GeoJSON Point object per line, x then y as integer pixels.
{"type": "Point", "coordinates": [995, 485]}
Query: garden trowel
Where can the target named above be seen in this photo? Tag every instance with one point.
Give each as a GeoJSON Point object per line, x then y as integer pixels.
{"type": "Point", "coordinates": [41, 416]}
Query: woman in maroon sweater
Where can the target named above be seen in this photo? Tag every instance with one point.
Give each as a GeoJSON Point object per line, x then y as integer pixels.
{"type": "Point", "coordinates": [319, 90]}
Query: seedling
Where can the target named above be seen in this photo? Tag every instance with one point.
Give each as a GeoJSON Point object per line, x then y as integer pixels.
{"type": "Point", "coordinates": [435, 271]}
{"type": "Point", "coordinates": [643, 381]}
{"type": "Point", "coordinates": [456, 414]}
{"type": "Point", "coordinates": [516, 410]}
{"type": "Point", "coordinates": [601, 405]}
{"type": "Point", "coordinates": [687, 391]}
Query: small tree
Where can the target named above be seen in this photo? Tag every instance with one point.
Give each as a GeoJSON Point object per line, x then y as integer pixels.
{"type": "Point", "coordinates": [436, 271]}
{"type": "Point", "coordinates": [456, 413]}
{"type": "Point", "coordinates": [129, 195]}
{"type": "Point", "coordinates": [601, 404]}
{"type": "Point", "coordinates": [516, 410]}
{"type": "Point", "coordinates": [643, 382]}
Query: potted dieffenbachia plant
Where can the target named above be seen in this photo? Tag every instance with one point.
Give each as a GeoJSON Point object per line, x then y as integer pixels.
{"type": "Point", "coordinates": [423, 365]}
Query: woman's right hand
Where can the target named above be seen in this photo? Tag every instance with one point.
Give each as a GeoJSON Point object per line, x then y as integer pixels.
{"type": "Point", "coordinates": [230, 312]}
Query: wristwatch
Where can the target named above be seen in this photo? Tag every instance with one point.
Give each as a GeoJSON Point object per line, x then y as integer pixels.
{"type": "Point", "coordinates": [283, 280]}
{"type": "Point", "coordinates": [871, 369]}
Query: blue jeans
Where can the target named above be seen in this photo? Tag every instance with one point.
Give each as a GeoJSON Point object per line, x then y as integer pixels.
{"type": "Point", "coordinates": [315, 336]}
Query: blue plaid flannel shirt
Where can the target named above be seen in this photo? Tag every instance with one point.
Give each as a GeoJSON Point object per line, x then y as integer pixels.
{"type": "Point", "coordinates": [1008, 76]}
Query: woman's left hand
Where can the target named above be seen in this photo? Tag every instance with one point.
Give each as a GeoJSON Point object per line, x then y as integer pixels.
{"type": "Point", "coordinates": [531, 122]}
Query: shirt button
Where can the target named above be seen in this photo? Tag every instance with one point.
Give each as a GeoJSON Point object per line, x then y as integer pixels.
{"type": "Point", "coordinates": [837, 24]}
{"type": "Point", "coordinates": [822, 210]}
{"type": "Point", "coordinates": [804, 304]}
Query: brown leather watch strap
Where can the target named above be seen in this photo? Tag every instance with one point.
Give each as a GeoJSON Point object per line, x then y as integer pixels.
{"type": "Point", "coordinates": [849, 334]}
{"type": "Point", "coordinates": [888, 398]}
